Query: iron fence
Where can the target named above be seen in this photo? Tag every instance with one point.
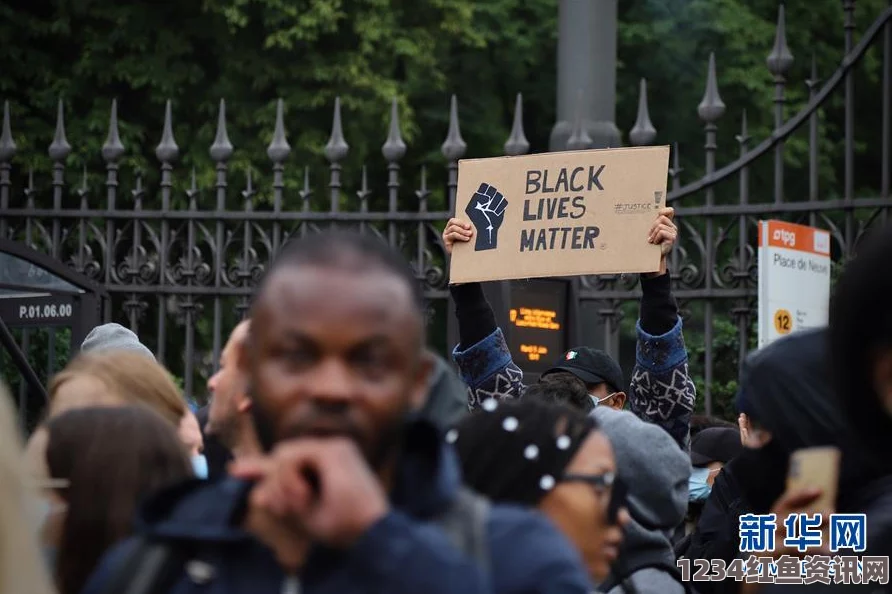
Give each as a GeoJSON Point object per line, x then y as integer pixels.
{"type": "Point", "coordinates": [164, 267]}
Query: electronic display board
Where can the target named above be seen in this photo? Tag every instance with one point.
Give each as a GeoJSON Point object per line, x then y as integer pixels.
{"type": "Point", "coordinates": [538, 330]}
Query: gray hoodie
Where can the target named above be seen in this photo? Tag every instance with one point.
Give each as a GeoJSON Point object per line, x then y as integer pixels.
{"type": "Point", "coordinates": [656, 472]}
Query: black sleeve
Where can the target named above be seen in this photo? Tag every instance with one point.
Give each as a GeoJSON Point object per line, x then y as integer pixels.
{"type": "Point", "coordinates": [476, 319]}
{"type": "Point", "coordinates": [659, 311]}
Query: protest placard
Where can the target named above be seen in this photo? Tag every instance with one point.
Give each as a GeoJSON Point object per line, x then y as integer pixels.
{"type": "Point", "coordinates": [560, 214]}
{"type": "Point", "coordinates": [794, 279]}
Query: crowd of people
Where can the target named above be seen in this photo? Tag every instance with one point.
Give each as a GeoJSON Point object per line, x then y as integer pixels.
{"type": "Point", "coordinates": [338, 454]}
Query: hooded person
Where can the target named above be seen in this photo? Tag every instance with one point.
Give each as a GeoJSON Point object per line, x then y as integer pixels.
{"type": "Point", "coordinates": [861, 364]}
{"type": "Point", "coordinates": [785, 390]}
{"type": "Point", "coordinates": [861, 342]}
{"type": "Point", "coordinates": [861, 355]}
{"type": "Point", "coordinates": [655, 472]}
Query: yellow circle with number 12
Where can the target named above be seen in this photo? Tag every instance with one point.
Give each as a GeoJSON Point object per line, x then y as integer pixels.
{"type": "Point", "coordinates": [783, 321]}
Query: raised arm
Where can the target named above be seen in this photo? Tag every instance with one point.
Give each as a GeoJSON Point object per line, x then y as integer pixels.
{"type": "Point", "coordinates": [661, 390]}
{"type": "Point", "coordinates": [482, 354]}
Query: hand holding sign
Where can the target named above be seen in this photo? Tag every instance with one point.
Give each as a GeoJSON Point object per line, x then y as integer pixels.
{"type": "Point", "coordinates": [663, 232]}
{"type": "Point", "coordinates": [487, 212]}
{"type": "Point", "coordinates": [456, 231]}
{"type": "Point", "coordinates": [560, 214]}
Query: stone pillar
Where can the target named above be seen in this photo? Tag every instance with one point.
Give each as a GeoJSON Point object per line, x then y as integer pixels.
{"type": "Point", "coordinates": [587, 63]}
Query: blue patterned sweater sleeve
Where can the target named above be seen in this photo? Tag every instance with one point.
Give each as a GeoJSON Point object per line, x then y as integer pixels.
{"type": "Point", "coordinates": [489, 371]}
{"type": "Point", "coordinates": [662, 391]}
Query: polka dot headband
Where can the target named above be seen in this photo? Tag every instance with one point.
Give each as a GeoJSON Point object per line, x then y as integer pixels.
{"type": "Point", "coordinates": [517, 450]}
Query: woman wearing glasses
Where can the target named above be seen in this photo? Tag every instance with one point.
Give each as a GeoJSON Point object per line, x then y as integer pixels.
{"type": "Point", "coordinates": [552, 457]}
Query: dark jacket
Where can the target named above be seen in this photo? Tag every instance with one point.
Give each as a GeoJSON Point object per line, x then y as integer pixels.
{"type": "Point", "coordinates": [401, 554]}
{"type": "Point", "coordinates": [447, 400]}
{"type": "Point", "coordinates": [786, 388]}
{"type": "Point", "coordinates": [716, 533]}
{"type": "Point", "coordinates": [660, 391]}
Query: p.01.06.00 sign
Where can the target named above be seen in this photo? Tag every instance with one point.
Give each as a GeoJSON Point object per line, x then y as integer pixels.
{"type": "Point", "coordinates": [37, 311]}
{"type": "Point", "coordinates": [794, 279]}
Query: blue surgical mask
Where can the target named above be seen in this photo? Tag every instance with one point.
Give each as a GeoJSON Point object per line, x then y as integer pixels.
{"type": "Point", "coordinates": [698, 488]}
{"type": "Point", "coordinates": [200, 466]}
{"type": "Point", "coordinates": [44, 511]}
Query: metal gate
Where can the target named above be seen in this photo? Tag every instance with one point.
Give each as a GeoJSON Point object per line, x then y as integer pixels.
{"type": "Point", "coordinates": [181, 277]}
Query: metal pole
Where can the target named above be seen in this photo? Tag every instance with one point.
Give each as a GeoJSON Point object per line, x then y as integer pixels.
{"type": "Point", "coordinates": [20, 360]}
{"type": "Point", "coordinates": [587, 63]}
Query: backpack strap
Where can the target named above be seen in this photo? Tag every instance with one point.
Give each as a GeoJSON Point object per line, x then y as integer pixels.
{"type": "Point", "coordinates": [465, 523]}
{"type": "Point", "coordinates": [148, 567]}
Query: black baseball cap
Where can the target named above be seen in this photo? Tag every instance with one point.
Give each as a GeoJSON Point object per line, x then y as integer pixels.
{"type": "Point", "coordinates": [715, 444]}
{"type": "Point", "coordinates": [592, 366]}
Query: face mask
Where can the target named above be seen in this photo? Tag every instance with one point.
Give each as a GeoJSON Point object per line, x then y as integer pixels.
{"type": "Point", "coordinates": [596, 401]}
{"type": "Point", "coordinates": [44, 510]}
{"type": "Point", "coordinates": [698, 487]}
{"type": "Point", "coordinates": [200, 466]}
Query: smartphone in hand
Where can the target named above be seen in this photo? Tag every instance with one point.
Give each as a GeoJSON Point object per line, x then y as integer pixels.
{"type": "Point", "coordinates": [816, 468]}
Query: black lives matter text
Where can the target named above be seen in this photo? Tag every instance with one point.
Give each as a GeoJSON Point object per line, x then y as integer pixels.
{"type": "Point", "coordinates": [564, 209]}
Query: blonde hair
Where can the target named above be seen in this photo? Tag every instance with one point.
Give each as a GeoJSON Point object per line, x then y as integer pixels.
{"type": "Point", "coordinates": [130, 377]}
{"type": "Point", "coordinates": [22, 567]}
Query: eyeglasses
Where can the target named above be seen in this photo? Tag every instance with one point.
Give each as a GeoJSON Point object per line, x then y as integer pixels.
{"type": "Point", "coordinates": [603, 481]}
{"type": "Point", "coordinates": [618, 494]}
{"type": "Point", "coordinates": [49, 484]}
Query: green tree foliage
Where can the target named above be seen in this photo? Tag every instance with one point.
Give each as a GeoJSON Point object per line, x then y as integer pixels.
{"type": "Point", "coordinates": [308, 52]}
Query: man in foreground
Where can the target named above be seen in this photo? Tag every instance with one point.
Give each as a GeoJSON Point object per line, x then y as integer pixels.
{"type": "Point", "coordinates": [352, 496]}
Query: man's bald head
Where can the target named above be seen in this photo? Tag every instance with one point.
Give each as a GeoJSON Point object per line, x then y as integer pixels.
{"type": "Point", "coordinates": [346, 252]}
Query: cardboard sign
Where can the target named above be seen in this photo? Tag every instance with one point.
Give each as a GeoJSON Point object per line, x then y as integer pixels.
{"type": "Point", "coordinates": [560, 214]}
{"type": "Point", "coordinates": [794, 279]}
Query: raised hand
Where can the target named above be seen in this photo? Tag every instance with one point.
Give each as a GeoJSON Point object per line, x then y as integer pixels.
{"type": "Point", "coordinates": [456, 231]}
{"type": "Point", "coordinates": [663, 232]}
{"type": "Point", "coordinates": [487, 212]}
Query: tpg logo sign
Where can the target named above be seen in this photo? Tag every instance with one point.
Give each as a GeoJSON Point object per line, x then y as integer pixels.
{"type": "Point", "coordinates": [788, 238]}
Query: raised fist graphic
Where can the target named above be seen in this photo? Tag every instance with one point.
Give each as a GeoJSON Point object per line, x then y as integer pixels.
{"type": "Point", "coordinates": [487, 213]}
